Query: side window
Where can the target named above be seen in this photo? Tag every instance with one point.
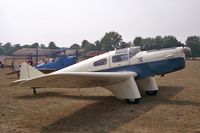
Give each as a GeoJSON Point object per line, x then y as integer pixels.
{"type": "Point", "coordinates": [119, 58]}
{"type": "Point", "coordinates": [100, 62]}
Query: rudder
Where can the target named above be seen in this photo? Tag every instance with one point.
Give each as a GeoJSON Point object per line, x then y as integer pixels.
{"type": "Point", "coordinates": [27, 71]}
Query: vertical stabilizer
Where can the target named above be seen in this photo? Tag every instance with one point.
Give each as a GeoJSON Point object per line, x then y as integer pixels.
{"type": "Point", "coordinates": [27, 71]}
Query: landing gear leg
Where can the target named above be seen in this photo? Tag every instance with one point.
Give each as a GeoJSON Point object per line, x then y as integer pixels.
{"type": "Point", "coordinates": [34, 90]}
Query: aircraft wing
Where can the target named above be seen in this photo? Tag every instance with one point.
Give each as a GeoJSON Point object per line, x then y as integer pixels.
{"type": "Point", "coordinates": [78, 79]}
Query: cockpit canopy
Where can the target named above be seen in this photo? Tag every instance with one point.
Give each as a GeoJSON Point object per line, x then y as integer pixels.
{"type": "Point", "coordinates": [131, 51]}
{"type": "Point", "coordinates": [121, 55]}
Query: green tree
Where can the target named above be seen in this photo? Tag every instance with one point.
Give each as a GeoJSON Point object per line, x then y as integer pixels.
{"type": "Point", "coordinates": [17, 46]}
{"type": "Point", "coordinates": [147, 43]}
{"type": "Point", "coordinates": [137, 41]}
{"type": "Point", "coordinates": [110, 41]}
{"type": "Point", "coordinates": [84, 43]}
{"type": "Point", "coordinates": [90, 47]}
{"type": "Point", "coordinates": [8, 48]}
{"type": "Point", "coordinates": [98, 45]}
{"type": "Point", "coordinates": [35, 45]}
{"type": "Point", "coordinates": [42, 46]}
{"type": "Point", "coordinates": [170, 41]}
{"type": "Point", "coordinates": [159, 42]}
{"type": "Point", "coordinates": [75, 46]}
{"type": "Point", "coordinates": [87, 46]}
{"type": "Point", "coordinates": [26, 46]}
{"type": "Point", "coordinates": [1, 49]}
{"type": "Point", "coordinates": [52, 45]}
{"type": "Point", "coordinates": [194, 43]}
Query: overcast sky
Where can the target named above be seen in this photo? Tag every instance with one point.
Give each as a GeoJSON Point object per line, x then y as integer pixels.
{"type": "Point", "coordinates": [70, 21]}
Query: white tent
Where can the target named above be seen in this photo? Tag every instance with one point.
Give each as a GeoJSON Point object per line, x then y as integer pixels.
{"type": "Point", "coordinates": [33, 52]}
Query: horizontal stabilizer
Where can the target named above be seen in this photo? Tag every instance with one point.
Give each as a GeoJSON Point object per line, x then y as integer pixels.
{"type": "Point", "coordinates": [26, 72]}
{"type": "Point", "coordinates": [17, 82]}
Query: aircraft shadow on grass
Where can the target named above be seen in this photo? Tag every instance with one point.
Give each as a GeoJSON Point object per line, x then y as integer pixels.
{"type": "Point", "coordinates": [108, 114]}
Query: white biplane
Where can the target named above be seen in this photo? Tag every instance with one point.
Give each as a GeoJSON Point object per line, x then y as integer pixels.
{"type": "Point", "coordinates": [121, 71]}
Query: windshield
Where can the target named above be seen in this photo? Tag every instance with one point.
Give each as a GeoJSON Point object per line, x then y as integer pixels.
{"type": "Point", "coordinates": [133, 51]}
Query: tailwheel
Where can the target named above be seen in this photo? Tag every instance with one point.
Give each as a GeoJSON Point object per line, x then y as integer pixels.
{"type": "Point", "coordinates": [34, 90]}
{"type": "Point", "coordinates": [133, 101]}
{"type": "Point", "coordinates": [152, 93]}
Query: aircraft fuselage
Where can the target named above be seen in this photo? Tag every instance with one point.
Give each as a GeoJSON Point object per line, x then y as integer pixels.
{"type": "Point", "coordinates": [144, 63]}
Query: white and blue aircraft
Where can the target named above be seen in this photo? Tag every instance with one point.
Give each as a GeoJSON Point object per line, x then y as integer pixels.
{"type": "Point", "coordinates": [123, 72]}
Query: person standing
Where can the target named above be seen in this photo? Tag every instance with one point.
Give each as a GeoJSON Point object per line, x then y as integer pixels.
{"type": "Point", "coordinates": [0, 64]}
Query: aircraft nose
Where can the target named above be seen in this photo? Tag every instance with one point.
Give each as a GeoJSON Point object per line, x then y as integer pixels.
{"type": "Point", "coordinates": [183, 51]}
{"type": "Point", "coordinates": [186, 50]}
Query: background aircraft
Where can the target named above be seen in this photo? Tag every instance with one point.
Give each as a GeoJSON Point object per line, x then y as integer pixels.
{"type": "Point", "coordinates": [122, 72]}
{"type": "Point", "coordinates": [59, 63]}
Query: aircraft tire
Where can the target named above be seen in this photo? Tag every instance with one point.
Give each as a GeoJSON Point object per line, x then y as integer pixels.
{"type": "Point", "coordinates": [133, 101]}
{"type": "Point", "coordinates": [152, 93]}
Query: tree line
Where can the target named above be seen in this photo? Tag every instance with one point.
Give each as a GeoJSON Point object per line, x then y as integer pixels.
{"type": "Point", "coordinates": [113, 40]}
{"type": "Point", "coordinates": [8, 48]}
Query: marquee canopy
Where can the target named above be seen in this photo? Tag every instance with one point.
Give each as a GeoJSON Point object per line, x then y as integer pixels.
{"type": "Point", "coordinates": [33, 52]}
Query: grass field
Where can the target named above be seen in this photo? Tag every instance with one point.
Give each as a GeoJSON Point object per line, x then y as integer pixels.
{"type": "Point", "coordinates": [176, 108]}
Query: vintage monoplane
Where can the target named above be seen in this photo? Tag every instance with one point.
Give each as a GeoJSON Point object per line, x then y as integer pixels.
{"type": "Point", "coordinates": [121, 71]}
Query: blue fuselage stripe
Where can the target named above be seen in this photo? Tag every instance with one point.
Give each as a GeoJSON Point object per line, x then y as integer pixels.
{"type": "Point", "coordinates": [152, 68]}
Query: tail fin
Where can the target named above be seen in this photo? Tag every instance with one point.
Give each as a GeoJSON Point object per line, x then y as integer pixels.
{"type": "Point", "coordinates": [27, 71]}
